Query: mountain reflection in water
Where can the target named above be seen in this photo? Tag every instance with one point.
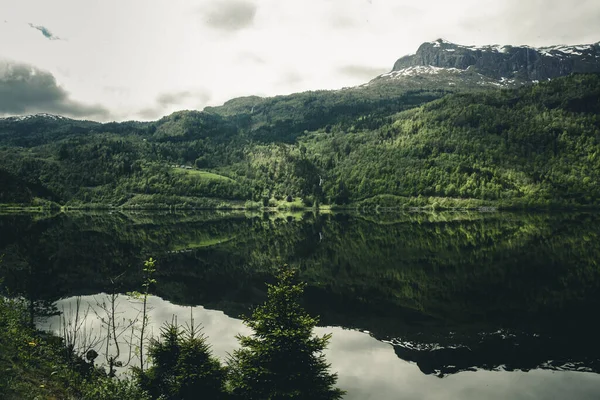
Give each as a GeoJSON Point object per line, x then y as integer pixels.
{"type": "Point", "coordinates": [450, 292]}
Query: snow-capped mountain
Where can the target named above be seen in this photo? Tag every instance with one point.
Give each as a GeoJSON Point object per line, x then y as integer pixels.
{"type": "Point", "coordinates": [493, 65]}
{"type": "Point", "coordinates": [36, 116]}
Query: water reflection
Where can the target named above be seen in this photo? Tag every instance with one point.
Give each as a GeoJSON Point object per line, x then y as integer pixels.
{"type": "Point", "coordinates": [368, 368]}
{"type": "Point", "coordinates": [441, 294]}
{"type": "Point", "coordinates": [504, 351]}
{"type": "Point", "coordinates": [220, 328]}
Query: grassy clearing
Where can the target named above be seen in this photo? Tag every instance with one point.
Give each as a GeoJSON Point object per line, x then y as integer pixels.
{"type": "Point", "coordinates": [165, 202]}
{"type": "Point", "coordinates": [202, 174]}
{"type": "Point", "coordinates": [284, 205]}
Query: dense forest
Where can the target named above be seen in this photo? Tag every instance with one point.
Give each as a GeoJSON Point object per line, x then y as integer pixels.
{"type": "Point", "coordinates": [371, 146]}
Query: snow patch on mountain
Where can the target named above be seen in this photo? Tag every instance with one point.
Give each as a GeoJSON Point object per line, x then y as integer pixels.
{"type": "Point", "coordinates": [449, 46]}
{"type": "Point", "coordinates": [419, 70]}
{"type": "Point", "coordinates": [452, 75]}
{"type": "Point", "coordinates": [440, 42]}
{"type": "Point", "coordinates": [560, 51]}
{"type": "Point", "coordinates": [39, 115]}
{"type": "Point", "coordinates": [497, 48]}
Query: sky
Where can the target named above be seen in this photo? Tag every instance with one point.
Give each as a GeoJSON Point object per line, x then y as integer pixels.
{"type": "Point", "coordinates": [115, 60]}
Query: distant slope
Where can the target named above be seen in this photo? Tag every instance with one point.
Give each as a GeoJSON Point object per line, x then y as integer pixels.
{"type": "Point", "coordinates": [534, 146]}
{"type": "Point", "coordinates": [383, 144]}
{"type": "Point", "coordinates": [32, 130]}
{"type": "Point", "coordinates": [284, 118]}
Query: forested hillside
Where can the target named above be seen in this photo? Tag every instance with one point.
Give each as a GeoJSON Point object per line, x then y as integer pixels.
{"type": "Point", "coordinates": [376, 145]}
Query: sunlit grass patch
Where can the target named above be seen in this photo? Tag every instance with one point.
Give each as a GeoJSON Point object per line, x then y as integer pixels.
{"type": "Point", "coordinates": [202, 174]}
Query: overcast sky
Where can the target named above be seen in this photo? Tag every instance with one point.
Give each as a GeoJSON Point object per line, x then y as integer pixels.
{"type": "Point", "coordinates": [142, 59]}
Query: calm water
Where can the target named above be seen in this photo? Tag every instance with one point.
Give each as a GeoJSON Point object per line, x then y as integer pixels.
{"type": "Point", "coordinates": [421, 306]}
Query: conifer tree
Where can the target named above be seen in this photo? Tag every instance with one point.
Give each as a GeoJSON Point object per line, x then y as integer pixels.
{"type": "Point", "coordinates": [183, 367]}
{"type": "Point", "coordinates": [282, 359]}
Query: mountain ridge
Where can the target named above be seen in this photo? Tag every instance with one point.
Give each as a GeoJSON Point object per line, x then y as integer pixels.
{"type": "Point", "coordinates": [421, 135]}
{"type": "Point", "coordinates": [442, 65]}
{"type": "Point", "coordinates": [521, 64]}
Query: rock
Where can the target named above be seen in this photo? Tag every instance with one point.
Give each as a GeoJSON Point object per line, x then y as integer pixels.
{"type": "Point", "coordinates": [523, 63]}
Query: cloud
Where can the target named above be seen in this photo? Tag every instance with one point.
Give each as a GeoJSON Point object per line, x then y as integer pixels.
{"type": "Point", "coordinates": [168, 102]}
{"type": "Point", "coordinates": [408, 11]}
{"type": "Point", "coordinates": [45, 31]}
{"type": "Point", "coordinates": [176, 98]}
{"type": "Point", "coordinates": [229, 15]}
{"type": "Point", "coordinates": [541, 22]}
{"type": "Point", "coordinates": [150, 113]}
{"type": "Point", "coordinates": [26, 89]}
{"type": "Point", "coordinates": [289, 78]}
{"type": "Point", "coordinates": [361, 71]}
{"type": "Point", "coordinates": [250, 57]}
{"type": "Point", "coordinates": [116, 90]}
{"type": "Point", "coordinates": [344, 22]}
{"type": "Point", "coordinates": [248, 47]}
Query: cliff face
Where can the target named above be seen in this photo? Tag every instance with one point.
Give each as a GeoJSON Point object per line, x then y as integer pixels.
{"type": "Point", "coordinates": [511, 62]}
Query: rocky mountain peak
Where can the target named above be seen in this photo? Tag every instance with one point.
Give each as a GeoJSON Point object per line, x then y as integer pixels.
{"type": "Point", "coordinates": [441, 42]}
{"type": "Point", "coordinates": [505, 62]}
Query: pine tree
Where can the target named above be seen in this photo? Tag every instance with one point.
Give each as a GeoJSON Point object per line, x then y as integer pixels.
{"type": "Point", "coordinates": [183, 367]}
{"type": "Point", "coordinates": [282, 359]}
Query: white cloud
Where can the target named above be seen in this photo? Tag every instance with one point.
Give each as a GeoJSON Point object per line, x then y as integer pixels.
{"type": "Point", "coordinates": [124, 55]}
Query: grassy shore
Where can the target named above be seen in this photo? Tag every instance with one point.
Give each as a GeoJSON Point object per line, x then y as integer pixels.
{"type": "Point", "coordinates": [36, 365]}
{"type": "Point", "coordinates": [381, 203]}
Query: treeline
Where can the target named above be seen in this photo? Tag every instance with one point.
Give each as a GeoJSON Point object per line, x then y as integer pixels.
{"type": "Point", "coordinates": [536, 146]}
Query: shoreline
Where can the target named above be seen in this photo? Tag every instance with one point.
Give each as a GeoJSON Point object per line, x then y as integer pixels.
{"type": "Point", "coordinates": [36, 209]}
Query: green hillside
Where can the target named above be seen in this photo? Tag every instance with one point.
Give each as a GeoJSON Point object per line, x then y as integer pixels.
{"type": "Point", "coordinates": [371, 146]}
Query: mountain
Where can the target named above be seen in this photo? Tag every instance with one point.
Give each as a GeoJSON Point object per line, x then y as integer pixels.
{"type": "Point", "coordinates": [461, 132]}
{"type": "Point", "coordinates": [30, 130]}
{"type": "Point", "coordinates": [493, 65]}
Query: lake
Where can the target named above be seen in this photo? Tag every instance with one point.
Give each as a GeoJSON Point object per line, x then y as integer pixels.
{"type": "Point", "coordinates": [421, 306]}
